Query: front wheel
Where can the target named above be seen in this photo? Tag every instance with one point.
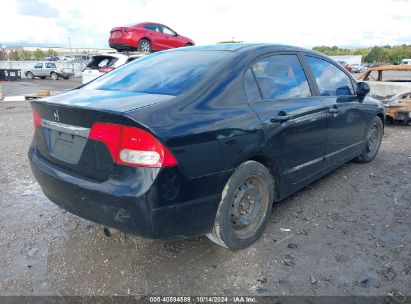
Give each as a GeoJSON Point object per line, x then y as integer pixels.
{"type": "Point", "coordinates": [54, 76]}
{"type": "Point", "coordinates": [372, 141]}
{"type": "Point", "coordinates": [144, 46]}
{"type": "Point", "coordinates": [244, 208]}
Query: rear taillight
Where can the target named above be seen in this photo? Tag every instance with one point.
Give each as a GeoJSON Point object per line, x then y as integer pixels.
{"type": "Point", "coordinates": [132, 146]}
{"type": "Point", "coordinates": [36, 120]}
{"type": "Point", "coordinates": [106, 70]}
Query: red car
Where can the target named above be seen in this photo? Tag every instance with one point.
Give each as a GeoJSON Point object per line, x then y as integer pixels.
{"type": "Point", "coordinates": [146, 37]}
{"type": "Point", "coordinates": [345, 65]}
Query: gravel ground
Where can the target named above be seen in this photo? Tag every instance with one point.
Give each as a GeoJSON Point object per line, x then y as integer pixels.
{"type": "Point", "coordinates": [30, 87]}
{"type": "Point", "coordinates": [346, 234]}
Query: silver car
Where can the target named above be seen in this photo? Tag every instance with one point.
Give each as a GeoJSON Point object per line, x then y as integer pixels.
{"type": "Point", "coordinates": [49, 69]}
{"type": "Point", "coordinates": [358, 68]}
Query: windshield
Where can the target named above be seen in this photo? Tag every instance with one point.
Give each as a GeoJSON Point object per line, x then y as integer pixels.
{"type": "Point", "coordinates": [168, 73]}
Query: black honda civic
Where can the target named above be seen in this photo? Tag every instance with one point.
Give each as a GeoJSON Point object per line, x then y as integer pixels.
{"type": "Point", "coordinates": [201, 140]}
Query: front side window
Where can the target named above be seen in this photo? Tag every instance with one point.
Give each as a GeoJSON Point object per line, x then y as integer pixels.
{"type": "Point", "coordinates": [168, 31]}
{"type": "Point", "coordinates": [281, 77]}
{"type": "Point", "coordinates": [331, 80]}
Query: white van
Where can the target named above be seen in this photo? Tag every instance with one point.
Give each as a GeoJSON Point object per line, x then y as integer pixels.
{"type": "Point", "coordinates": [406, 61]}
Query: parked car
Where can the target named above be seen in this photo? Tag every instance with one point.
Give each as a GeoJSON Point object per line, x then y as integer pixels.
{"type": "Point", "coordinates": [406, 61]}
{"type": "Point", "coordinates": [49, 69]}
{"type": "Point", "coordinates": [358, 68]}
{"type": "Point", "coordinates": [66, 58]}
{"type": "Point", "coordinates": [146, 37]}
{"type": "Point", "coordinates": [101, 64]}
{"type": "Point", "coordinates": [201, 140]}
{"type": "Point", "coordinates": [345, 65]}
{"type": "Point", "coordinates": [391, 84]}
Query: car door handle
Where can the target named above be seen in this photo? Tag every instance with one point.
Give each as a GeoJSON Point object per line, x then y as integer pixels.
{"type": "Point", "coordinates": [281, 117]}
{"type": "Point", "coordinates": [333, 110]}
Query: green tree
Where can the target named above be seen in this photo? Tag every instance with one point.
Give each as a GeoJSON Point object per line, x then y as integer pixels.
{"type": "Point", "coordinates": [381, 54]}
{"type": "Point", "coordinates": [24, 55]}
{"type": "Point", "coordinates": [377, 54]}
{"type": "Point", "coordinates": [51, 52]}
{"type": "Point", "coordinates": [38, 54]}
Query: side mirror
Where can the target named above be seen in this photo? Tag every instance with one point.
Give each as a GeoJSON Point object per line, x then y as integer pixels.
{"type": "Point", "coordinates": [175, 34]}
{"type": "Point", "coordinates": [362, 89]}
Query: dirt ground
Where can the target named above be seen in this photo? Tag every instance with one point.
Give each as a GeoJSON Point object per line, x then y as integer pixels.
{"type": "Point", "coordinates": [346, 234]}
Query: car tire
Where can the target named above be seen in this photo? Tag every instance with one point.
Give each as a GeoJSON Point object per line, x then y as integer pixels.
{"type": "Point", "coordinates": [54, 76]}
{"type": "Point", "coordinates": [30, 75]}
{"type": "Point", "coordinates": [144, 46]}
{"type": "Point", "coordinates": [372, 141]}
{"type": "Point", "coordinates": [245, 207]}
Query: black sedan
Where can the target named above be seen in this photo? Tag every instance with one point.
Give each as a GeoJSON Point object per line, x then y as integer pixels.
{"type": "Point", "coordinates": [201, 140]}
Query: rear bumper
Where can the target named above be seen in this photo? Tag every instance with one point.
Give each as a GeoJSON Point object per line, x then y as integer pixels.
{"type": "Point", "coordinates": [66, 74]}
{"type": "Point", "coordinates": [123, 45]}
{"type": "Point", "coordinates": [119, 206]}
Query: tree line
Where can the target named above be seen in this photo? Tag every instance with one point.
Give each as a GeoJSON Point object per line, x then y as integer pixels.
{"type": "Point", "coordinates": [24, 55]}
{"type": "Point", "coordinates": [376, 54]}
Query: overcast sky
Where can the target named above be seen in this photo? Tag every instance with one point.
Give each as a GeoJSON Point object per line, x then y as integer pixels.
{"type": "Point", "coordinates": [347, 23]}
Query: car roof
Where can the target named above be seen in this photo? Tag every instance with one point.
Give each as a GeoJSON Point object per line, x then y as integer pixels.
{"type": "Point", "coordinates": [243, 47]}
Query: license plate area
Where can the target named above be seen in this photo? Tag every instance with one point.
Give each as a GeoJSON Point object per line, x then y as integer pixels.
{"type": "Point", "coordinates": [66, 147]}
{"type": "Point", "coordinates": [116, 34]}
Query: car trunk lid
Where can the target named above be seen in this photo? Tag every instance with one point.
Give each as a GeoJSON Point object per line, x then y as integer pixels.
{"type": "Point", "coordinates": [118, 32]}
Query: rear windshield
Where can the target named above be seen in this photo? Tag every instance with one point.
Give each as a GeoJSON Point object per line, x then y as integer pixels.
{"type": "Point", "coordinates": [168, 73]}
{"type": "Point", "coordinates": [101, 62]}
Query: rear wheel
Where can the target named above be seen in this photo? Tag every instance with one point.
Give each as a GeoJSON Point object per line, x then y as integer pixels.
{"type": "Point", "coordinates": [244, 208]}
{"type": "Point", "coordinates": [372, 141]}
{"type": "Point", "coordinates": [54, 76]}
{"type": "Point", "coordinates": [30, 75]}
{"type": "Point", "coordinates": [144, 46]}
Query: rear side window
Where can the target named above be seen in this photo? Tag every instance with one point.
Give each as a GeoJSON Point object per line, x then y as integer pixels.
{"type": "Point", "coordinates": [168, 73]}
{"type": "Point", "coordinates": [38, 66]}
{"type": "Point", "coordinates": [250, 87]}
{"type": "Point", "coordinates": [281, 77]}
{"type": "Point", "coordinates": [331, 80]}
{"type": "Point", "coordinates": [168, 31]}
{"type": "Point", "coordinates": [153, 27]}
{"type": "Point", "coordinates": [50, 66]}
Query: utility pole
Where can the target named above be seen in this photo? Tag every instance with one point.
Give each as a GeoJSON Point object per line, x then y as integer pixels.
{"type": "Point", "coordinates": [72, 57]}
